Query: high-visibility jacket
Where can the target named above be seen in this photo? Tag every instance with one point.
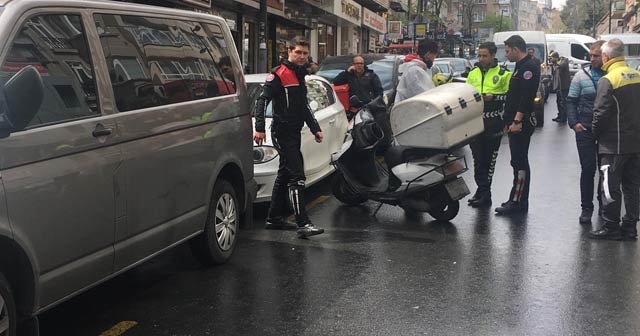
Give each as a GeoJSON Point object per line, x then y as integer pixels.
{"type": "Point", "coordinates": [494, 81]}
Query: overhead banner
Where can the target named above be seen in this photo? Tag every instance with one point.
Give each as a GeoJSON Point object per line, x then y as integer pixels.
{"type": "Point", "coordinates": [374, 21]}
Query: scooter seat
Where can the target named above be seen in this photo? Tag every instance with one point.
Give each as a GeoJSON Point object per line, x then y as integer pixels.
{"type": "Point", "coordinates": [396, 155]}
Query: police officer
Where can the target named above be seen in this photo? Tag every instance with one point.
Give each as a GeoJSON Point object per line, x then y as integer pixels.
{"type": "Point", "coordinates": [285, 86]}
{"type": "Point", "coordinates": [519, 121]}
{"type": "Point", "coordinates": [492, 81]}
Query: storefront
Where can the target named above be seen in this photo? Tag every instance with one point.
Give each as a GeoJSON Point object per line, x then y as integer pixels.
{"type": "Point", "coordinates": [374, 27]}
{"type": "Point", "coordinates": [350, 16]}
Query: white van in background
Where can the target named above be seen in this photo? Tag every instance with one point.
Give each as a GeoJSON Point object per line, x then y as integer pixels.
{"type": "Point", "coordinates": [631, 42]}
{"type": "Point", "coordinates": [574, 47]}
{"type": "Point", "coordinates": [534, 39]}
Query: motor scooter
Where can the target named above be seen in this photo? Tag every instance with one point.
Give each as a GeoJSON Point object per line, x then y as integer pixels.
{"type": "Point", "coordinates": [416, 179]}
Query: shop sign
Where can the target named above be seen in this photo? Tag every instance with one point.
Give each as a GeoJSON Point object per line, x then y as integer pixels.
{"type": "Point", "coordinates": [326, 5]}
{"type": "Point", "coordinates": [395, 30]}
{"type": "Point", "coordinates": [420, 31]}
{"type": "Point", "coordinates": [348, 10]}
{"type": "Point", "coordinates": [374, 21]}
{"type": "Point", "coordinates": [275, 4]}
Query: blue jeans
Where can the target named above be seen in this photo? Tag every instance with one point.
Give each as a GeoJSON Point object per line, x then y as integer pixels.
{"type": "Point", "coordinates": [588, 153]}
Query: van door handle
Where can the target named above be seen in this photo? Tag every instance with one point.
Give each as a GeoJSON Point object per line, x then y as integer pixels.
{"type": "Point", "coordinates": [100, 130]}
{"type": "Point", "coordinates": [332, 121]}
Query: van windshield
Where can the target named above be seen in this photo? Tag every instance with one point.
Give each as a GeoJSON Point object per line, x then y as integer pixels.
{"type": "Point", "coordinates": [538, 48]}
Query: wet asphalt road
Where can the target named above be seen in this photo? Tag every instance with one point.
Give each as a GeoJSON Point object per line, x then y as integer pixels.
{"type": "Point", "coordinates": [534, 274]}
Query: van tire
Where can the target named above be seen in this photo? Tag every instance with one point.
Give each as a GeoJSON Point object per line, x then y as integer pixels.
{"type": "Point", "coordinates": [211, 247]}
{"type": "Point", "coordinates": [7, 309]}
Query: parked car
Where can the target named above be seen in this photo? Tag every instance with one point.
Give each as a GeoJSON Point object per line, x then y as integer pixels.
{"type": "Point", "coordinates": [108, 156]}
{"type": "Point", "coordinates": [461, 66]}
{"type": "Point", "coordinates": [317, 156]}
{"type": "Point", "coordinates": [386, 66]}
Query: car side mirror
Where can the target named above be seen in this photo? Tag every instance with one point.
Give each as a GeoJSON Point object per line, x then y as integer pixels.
{"type": "Point", "coordinates": [21, 97]}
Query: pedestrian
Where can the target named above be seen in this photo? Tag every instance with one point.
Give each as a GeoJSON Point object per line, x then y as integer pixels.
{"type": "Point", "coordinates": [561, 83]}
{"type": "Point", "coordinates": [417, 76]}
{"type": "Point", "coordinates": [580, 99]}
{"type": "Point", "coordinates": [519, 121]}
{"type": "Point", "coordinates": [616, 128]}
{"type": "Point", "coordinates": [285, 87]}
{"type": "Point", "coordinates": [363, 82]}
{"type": "Point", "coordinates": [492, 81]}
{"type": "Point", "coordinates": [532, 52]}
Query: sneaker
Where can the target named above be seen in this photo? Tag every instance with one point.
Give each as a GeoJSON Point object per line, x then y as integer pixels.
{"type": "Point", "coordinates": [279, 223]}
{"type": "Point", "coordinates": [585, 216]}
{"type": "Point", "coordinates": [308, 231]}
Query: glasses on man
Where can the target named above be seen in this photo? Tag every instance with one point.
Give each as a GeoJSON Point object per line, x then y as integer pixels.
{"type": "Point", "coordinates": [358, 63]}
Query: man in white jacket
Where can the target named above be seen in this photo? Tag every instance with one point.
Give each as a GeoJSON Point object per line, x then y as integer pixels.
{"type": "Point", "coordinates": [417, 77]}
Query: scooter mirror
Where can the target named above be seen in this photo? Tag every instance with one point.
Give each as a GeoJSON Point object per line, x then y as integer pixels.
{"type": "Point", "coordinates": [354, 101]}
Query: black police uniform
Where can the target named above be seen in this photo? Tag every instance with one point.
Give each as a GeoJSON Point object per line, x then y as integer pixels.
{"type": "Point", "coordinates": [522, 92]}
{"type": "Point", "coordinates": [285, 86]}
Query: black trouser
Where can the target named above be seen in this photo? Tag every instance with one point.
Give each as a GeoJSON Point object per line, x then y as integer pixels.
{"type": "Point", "coordinates": [620, 170]}
{"type": "Point", "coordinates": [519, 148]}
{"type": "Point", "coordinates": [484, 150]}
{"type": "Point", "coordinates": [561, 101]}
{"type": "Point", "coordinates": [290, 179]}
{"type": "Point", "coordinates": [588, 153]}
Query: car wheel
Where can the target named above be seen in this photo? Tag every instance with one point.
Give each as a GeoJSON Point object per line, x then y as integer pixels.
{"type": "Point", "coordinates": [446, 211]}
{"type": "Point", "coordinates": [216, 244]}
{"type": "Point", "coordinates": [8, 319]}
{"type": "Point", "coordinates": [344, 193]}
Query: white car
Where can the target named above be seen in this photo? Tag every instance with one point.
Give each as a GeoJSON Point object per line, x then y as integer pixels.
{"type": "Point", "coordinates": [332, 118]}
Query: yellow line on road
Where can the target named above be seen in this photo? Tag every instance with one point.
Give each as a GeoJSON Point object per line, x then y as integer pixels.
{"type": "Point", "coordinates": [119, 328]}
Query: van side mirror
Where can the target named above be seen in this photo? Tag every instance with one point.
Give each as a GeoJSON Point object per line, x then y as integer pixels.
{"type": "Point", "coordinates": [22, 96]}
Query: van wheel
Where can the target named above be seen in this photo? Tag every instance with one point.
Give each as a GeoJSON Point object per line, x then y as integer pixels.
{"type": "Point", "coordinates": [447, 211]}
{"type": "Point", "coordinates": [216, 244]}
{"type": "Point", "coordinates": [8, 319]}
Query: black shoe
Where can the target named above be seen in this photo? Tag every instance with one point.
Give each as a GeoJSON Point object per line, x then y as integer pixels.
{"type": "Point", "coordinates": [606, 232]}
{"type": "Point", "coordinates": [481, 202]}
{"type": "Point", "coordinates": [512, 207]}
{"type": "Point", "coordinates": [473, 198]}
{"type": "Point", "coordinates": [629, 231]}
{"type": "Point", "coordinates": [279, 223]}
{"type": "Point", "coordinates": [629, 235]}
{"type": "Point", "coordinates": [308, 231]}
{"type": "Point", "coordinates": [585, 216]}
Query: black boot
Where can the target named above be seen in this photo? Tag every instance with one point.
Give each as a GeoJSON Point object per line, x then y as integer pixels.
{"type": "Point", "coordinates": [585, 216]}
{"type": "Point", "coordinates": [629, 231]}
{"type": "Point", "coordinates": [482, 200]}
{"type": "Point", "coordinates": [609, 231]}
{"type": "Point", "coordinates": [279, 223]}
{"type": "Point", "coordinates": [512, 207]}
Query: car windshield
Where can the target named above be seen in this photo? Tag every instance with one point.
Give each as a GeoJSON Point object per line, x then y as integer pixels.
{"type": "Point", "coordinates": [254, 90]}
{"type": "Point", "coordinates": [444, 67]}
{"type": "Point", "coordinates": [383, 68]}
{"type": "Point", "coordinates": [459, 65]}
{"type": "Point", "coordinates": [633, 62]}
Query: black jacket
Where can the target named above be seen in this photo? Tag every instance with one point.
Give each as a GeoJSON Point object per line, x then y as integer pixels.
{"type": "Point", "coordinates": [523, 88]}
{"type": "Point", "coordinates": [367, 87]}
{"type": "Point", "coordinates": [285, 86]}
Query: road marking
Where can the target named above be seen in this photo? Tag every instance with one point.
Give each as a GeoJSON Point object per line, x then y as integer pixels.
{"type": "Point", "coordinates": [312, 204]}
{"type": "Point", "coordinates": [119, 328]}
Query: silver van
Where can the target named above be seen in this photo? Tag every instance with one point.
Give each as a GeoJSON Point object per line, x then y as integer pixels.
{"type": "Point", "coordinates": [124, 131]}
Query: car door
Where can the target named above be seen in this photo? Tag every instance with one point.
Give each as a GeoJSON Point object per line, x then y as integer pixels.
{"type": "Point", "coordinates": [316, 155]}
{"type": "Point", "coordinates": [61, 173]}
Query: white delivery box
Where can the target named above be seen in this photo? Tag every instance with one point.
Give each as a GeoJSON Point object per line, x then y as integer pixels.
{"type": "Point", "coordinates": [441, 118]}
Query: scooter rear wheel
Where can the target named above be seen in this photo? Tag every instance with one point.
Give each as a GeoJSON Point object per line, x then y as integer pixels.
{"type": "Point", "coordinates": [447, 211]}
{"type": "Point", "coordinates": [343, 193]}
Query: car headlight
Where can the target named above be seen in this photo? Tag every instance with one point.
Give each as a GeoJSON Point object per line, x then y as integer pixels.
{"type": "Point", "coordinates": [262, 154]}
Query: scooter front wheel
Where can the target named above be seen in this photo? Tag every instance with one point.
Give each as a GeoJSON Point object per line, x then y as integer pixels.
{"type": "Point", "coordinates": [343, 193]}
{"type": "Point", "coordinates": [447, 211]}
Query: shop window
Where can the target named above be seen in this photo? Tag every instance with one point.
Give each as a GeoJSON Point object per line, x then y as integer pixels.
{"type": "Point", "coordinates": [155, 62]}
{"type": "Point", "coordinates": [56, 46]}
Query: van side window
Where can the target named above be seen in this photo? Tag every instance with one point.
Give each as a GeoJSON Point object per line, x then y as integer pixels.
{"type": "Point", "coordinates": [56, 46]}
{"type": "Point", "coordinates": [579, 52]}
{"type": "Point", "coordinates": [218, 48]}
{"type": "Point", "coordinates": [155, 62]}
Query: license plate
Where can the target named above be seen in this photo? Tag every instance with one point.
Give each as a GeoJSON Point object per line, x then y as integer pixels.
{"type": "Point", "coordinates": [457, 189]}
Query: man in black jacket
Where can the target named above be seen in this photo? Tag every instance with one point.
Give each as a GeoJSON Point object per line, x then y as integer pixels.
{"type": "Point", "coordinates": [561, 83]}
{"type": "Point", "coordinates": [519, 122]}
{"type": "Point", "coordinates": [363, 82]}
{"type": "Point", "coordinates": [285, 86]}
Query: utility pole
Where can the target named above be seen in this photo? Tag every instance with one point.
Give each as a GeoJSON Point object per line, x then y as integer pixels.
{"type": "Point", "coordinates": [610, 4]}
{"type": "Point", "coordinates": [262, 38]}
{"type": "Point", "coordinates": [593, 18]}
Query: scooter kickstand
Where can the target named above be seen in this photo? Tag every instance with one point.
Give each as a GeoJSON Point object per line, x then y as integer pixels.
{"type": "Point", "coordinates": [378, 208]}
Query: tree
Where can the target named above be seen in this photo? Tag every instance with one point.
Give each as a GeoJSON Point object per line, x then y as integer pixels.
{"type": "Point", "coordinates": [579, 16]}
{"type": "Point", "coordinates": [467, 7]}
{"type": "Point", "coordinates": [497, 22]}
